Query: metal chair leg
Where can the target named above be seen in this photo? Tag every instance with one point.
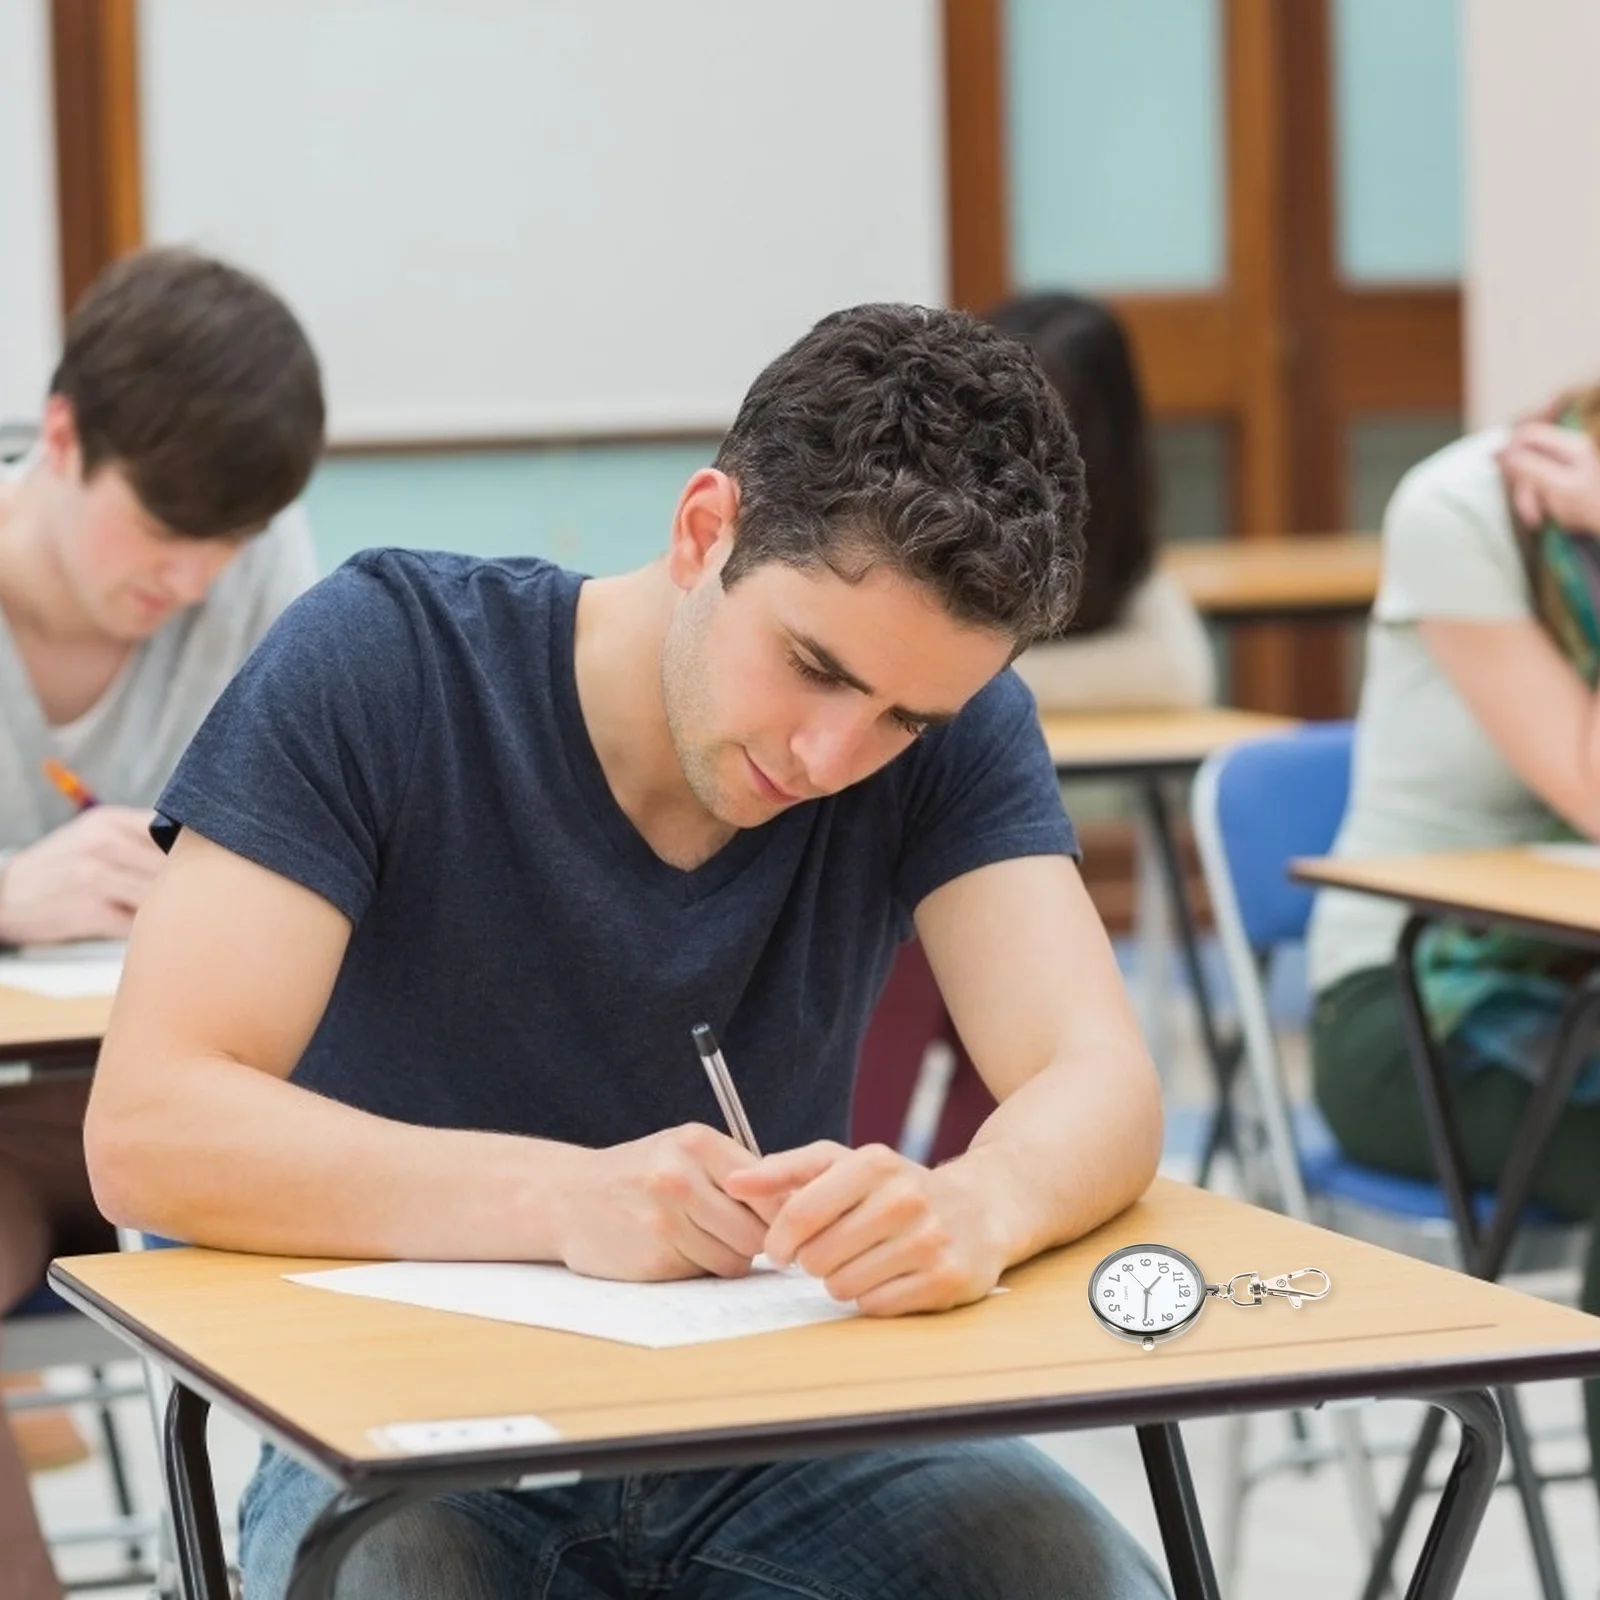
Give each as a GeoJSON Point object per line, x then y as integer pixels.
{"type": "Point", "coordinates": [1530, 1489]}
{"type": "Point", "coordinates": [116, 1463]}
{"type": "Point", "coordinates": [1235, 1491]}
{"type": "Point", "coordinates": [1355, 1462]}
{"type": "Point", "coordinates": [1222, 1054]}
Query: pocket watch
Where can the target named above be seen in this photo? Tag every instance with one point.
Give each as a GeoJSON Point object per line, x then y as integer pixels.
{"type": "Point", "coordinates": [1146, 1293]}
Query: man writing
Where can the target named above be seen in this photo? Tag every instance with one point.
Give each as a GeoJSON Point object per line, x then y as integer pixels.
{"type": "Point", "coordinates": [469, 847]}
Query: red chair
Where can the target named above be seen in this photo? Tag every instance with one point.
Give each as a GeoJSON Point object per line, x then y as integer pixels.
{"type": "Point", "coordinates": [910, 1017]}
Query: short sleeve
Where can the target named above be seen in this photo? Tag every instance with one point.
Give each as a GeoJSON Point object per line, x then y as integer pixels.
{"type": "Point", "coordinates": [304, 760]}
{"type": "Point", "coordinates": [980, 790]}
{"type": "Point", "coordinates": [1449, 551]}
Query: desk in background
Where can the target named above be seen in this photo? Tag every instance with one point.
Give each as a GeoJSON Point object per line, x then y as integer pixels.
{"type": "Point", "coordinates": [37, 1033]}
{"type": "Point", "coordinates": [1517, 889]}
{"type": "Point", "coordinates": [1144, 750]}
{"type": "Point", "coordinates": [1545, 898]}
{"type": "Point", "coordinates": [330, 1369]}
{"type": "Point", "coordinates": [1277, 580]}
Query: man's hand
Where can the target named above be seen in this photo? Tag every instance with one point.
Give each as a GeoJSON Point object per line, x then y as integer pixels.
{"type": "Point", "coordinates": [1553, 472]}
{"type": "Point", "coordinates": [84, 881]}
{"type": "Point", "coordinates": [660, 1208]}
{"type": "Point", "coordinates": [875, 1227]}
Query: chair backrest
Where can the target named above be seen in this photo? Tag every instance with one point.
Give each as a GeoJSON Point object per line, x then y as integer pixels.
{"type": "Point", "coordinates": [1271, 800]}
{"type": "Point", "coordinates": [1255, 807]}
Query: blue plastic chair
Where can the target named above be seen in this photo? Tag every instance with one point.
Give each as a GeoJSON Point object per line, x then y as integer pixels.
{"type": "Point", "coordinates": [1255, 807]}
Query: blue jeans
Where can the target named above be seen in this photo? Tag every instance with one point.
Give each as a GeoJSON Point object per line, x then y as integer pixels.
{"type": "Point", "coordinates": [988, 1521]}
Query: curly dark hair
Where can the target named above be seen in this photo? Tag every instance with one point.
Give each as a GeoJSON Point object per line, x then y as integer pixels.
{"type": "Point", "coordinates": [922, 441]}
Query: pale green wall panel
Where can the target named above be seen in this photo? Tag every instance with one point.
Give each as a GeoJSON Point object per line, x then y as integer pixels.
{"type": "Point", "coordinates": [596, 508]}
{"type": "Point", "coordinates": [1397, 139]}
{"type": "Point", "coordinates": [1115, 115]}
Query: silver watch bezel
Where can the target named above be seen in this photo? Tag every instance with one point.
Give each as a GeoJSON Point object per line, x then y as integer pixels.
{"type": "Point", "coordinates": [1149, 1337]}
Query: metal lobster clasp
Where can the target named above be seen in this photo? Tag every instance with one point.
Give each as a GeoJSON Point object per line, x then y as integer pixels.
{"type": "Point", "coordinates": [1296, 1287]}
{"type": "Point", "coordinates": [1229, 1289]}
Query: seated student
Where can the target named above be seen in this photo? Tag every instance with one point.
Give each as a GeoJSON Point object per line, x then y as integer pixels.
{"type": "Point", "coordinates": [469, 846]}
{"type": "Point", "coordinates": [1135, 643]}
{"type": "Point", "coordinates": [185, 414]}
{"type": "Point", "coordinates": [1479, 725]}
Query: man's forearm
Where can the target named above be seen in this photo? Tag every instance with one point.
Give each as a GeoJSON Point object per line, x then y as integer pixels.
{"type": "Point", "coordinates": [1076, 1144]}
{"type": "Point", "coordinates": [224, 1155]}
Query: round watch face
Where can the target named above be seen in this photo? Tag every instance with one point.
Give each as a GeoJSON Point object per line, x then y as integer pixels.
{"type": "Point", "coordinates": [1147, 1292]}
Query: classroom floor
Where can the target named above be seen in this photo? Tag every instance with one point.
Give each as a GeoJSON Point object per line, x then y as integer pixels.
{"type": "Point", "coordinates": [1298, 1535]}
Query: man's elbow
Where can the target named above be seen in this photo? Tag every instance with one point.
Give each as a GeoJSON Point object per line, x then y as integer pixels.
{"type": "Point", "coordinates": [119, 1160]}
{"type": "Point", "coordinates": [1145, 1133]}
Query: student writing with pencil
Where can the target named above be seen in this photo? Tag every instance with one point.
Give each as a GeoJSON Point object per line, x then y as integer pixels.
{"type": "Point", "coordinates": [137, 570]}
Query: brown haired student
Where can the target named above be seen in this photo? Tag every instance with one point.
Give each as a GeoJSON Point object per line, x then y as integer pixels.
{"type": "Point", "coordinates": [146, 542]}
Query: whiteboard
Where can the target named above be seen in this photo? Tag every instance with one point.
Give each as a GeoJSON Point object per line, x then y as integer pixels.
{"type": "Point", "coordinates": [30, 310]}
{"type": "Point", "coordinates": [550, 217]}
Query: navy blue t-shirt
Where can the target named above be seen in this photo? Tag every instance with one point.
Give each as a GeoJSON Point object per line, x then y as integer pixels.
{"type": "Point", "coordinates": [407, 742]}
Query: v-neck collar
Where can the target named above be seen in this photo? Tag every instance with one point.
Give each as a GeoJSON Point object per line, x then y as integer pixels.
{"type": "Point", "coordinates": [676, 884]}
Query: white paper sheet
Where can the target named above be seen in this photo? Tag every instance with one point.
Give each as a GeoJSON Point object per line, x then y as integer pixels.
{"type": "Point", "coordinates": [66, 971]}
{"type": "Point", "coordinates": [1575, 854]}
{"type": "Point", "coordinates": [657, 1315]}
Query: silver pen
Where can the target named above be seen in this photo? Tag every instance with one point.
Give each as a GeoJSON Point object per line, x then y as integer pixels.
{"type": "Point", "coordinates": [705, 1041]}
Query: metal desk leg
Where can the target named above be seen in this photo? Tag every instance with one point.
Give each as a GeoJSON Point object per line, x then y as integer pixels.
{"type": "Point", "coordinates": [201, 1566]}
{"type": "Point", "coordinates": [1183, 1535]}
{"type": "Point", "coordinates": [1394, 1525]}
{"type": "Point", "coordinates": [1224, 1055]}
{"type": "Point", "coordinates": [1484, 1251]}
{"type": "Point", "coordinates": [1571, 1050]}
{"type": "Point", "coordinates": [345, 1519]}
{"type": "Point", "coordinates": [1465, 1498]}
{"type": "Point", "coordinates": [1529, 1490]}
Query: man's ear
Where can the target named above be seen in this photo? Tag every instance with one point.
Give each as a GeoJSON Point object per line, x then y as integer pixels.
{"type": "Point", "coordinates": [702, 526]}
{"type": "Point", "coordinates": [58, 437]}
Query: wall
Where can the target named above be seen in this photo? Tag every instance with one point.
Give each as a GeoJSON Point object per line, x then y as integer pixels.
{"type": "Point", "coordinates": [1533, 202]}
{"type": "Point", "coordinates": [596, 508]}
{"type": "Point", "coordinates": [1116, 155]}
{"type": "Point", "coordinates": [28, 260]}
{"type": "Point", "coordinates": [575, 218]}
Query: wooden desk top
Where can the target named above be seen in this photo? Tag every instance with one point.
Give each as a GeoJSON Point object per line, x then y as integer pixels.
{"type": "Point", "coordinates": [318, 1370]}
{"type": "Point", "coordinates": [1245, 579]}
{"type": "Point", "coordinates": [34, 1027]}
{"type": "Point", "coordinates": [1514, 888]}
{"type": "Point", "coordinates": [1118, 743]}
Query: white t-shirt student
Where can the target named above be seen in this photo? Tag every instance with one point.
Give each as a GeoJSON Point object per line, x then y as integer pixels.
{"type": "Point", "coordinates": [1154, 657]}
{"type": "Point", "coordinates": [1426, 776]}
{"type": "Point", "coordinates": [127, 744]}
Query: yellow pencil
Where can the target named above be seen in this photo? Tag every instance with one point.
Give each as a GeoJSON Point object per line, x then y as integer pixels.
{"type": "Point", "coordinates": [70, 784]}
